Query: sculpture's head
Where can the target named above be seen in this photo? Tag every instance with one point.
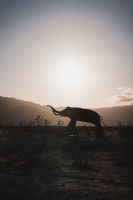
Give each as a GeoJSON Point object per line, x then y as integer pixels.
{"type": "Point", "coordinates": [67, 112]}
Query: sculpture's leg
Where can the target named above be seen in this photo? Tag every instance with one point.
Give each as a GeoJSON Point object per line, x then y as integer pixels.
{"type": "Point", "coordinates": [72, 126]}
{"type": "Point", "coordinates": [69, 126]}
{"type": "Point", "coordinates": [99, 129]}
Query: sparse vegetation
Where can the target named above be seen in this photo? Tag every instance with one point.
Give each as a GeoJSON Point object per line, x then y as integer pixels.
{"type": "Point", "coordinates": [45, 162]}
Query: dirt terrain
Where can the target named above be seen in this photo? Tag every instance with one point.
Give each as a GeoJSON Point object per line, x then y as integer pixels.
{"type": "Point", "coordinates": [50, 163]}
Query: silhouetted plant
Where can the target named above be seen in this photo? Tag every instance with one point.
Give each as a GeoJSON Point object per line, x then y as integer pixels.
{"type": "Point", "coordinates": [38, 120]}
{"type": "Point", "coordinates": [45, 122]}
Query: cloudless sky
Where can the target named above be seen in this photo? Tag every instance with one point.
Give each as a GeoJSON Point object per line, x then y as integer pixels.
{"type": "Point", "coordinates": [66, 53]}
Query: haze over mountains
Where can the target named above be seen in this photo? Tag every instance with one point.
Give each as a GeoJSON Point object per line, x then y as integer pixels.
{"type": "Point", "coordinates": [14, 111]}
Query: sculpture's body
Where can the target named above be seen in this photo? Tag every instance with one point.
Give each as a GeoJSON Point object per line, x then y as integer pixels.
{"type": "Point", "coordinates": [80, 114]}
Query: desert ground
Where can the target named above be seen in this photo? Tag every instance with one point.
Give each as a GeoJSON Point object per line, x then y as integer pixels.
{"type": "Point", "coordinates": [50, 163]}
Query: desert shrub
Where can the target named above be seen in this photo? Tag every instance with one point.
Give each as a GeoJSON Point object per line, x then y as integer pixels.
{"type": "Point", "coordinates": [51, 161]}
{"type": "Point", "coordinates": [31, 150]}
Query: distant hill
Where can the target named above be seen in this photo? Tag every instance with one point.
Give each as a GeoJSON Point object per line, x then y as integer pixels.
{"type": "Point", "coordinates": [14, 111]}
{"type": "Point", "coordinates": [116, 115]}
{"type": "Point", "coordinates": [17, 111]}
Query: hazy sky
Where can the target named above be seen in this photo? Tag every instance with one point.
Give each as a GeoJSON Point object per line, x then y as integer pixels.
{"type": "Point", "coordinates": [67, 53]}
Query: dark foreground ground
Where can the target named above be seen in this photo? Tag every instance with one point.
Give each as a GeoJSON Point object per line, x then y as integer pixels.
{"type": "Point", "coordinates": [48, 163]}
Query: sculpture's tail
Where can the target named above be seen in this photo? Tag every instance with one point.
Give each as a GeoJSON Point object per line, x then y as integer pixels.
{"type": "Point", "coordinates": [103, 121]}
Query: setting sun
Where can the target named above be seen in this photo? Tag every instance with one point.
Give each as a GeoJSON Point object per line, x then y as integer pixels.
{"type": "Point", "coordinates": [70, 75]}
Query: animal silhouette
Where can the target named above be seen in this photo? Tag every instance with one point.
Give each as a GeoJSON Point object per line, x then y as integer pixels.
{"type": "Point", "coordinates": [80, 114]}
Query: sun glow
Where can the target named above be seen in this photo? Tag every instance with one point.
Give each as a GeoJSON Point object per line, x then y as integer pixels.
{"type": "Point", "coordinates": [70, 75]}
{"type": "Point", "coordinates": [72, 79]}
